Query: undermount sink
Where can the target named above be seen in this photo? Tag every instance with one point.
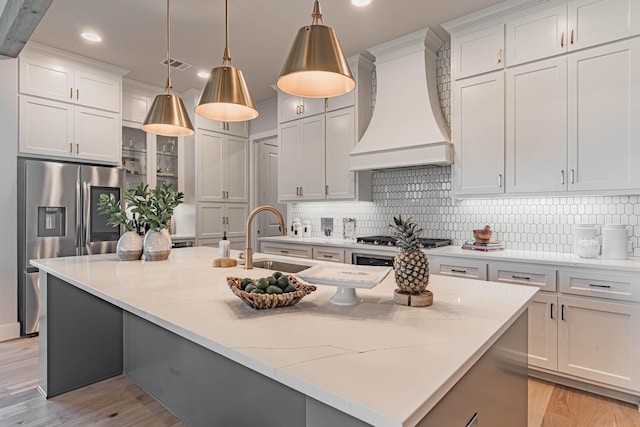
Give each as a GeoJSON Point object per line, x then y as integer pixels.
{"type": "Point", "coordinates": [285, 267]}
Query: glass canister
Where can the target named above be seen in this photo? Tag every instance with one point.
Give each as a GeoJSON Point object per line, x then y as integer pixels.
{"type": "Point", "coordinates": [586, 243]}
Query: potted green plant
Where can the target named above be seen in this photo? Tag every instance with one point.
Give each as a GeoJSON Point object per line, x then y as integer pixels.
{"type": "Point", "coordinates": [129, 247]}
{"type": "Point", "coordinates": [153, 209]}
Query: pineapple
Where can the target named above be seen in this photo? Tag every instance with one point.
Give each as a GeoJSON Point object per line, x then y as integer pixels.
{"type": "Point", "coordinates": [410, 264]}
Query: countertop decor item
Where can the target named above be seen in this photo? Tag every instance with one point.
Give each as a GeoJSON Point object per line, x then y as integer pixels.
{"type": "Point", "coordinates": [410, 265]}
{"type": "Point", "coordinates": [349, 228]}
{"type": "Point", "coordinates": [225, 262]}
{"type": "Point", "coordinates": [167, 115]}
{"type": "Point", "coordinates": [483, 235]}
{"type": "Point", "coordinates": [586, 243]}
{"type": "Point", "coordinates": [225, 96]}
{"type": "Point", "coordinates": [261, 301]}
{"type": "Point", "coordinates": [129, 246]}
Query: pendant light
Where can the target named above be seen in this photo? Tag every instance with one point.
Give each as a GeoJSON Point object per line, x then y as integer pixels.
{"type": "Point", "coordinates": [316, 66]}
{"type": "Point", "coordinates": [167, 115]}
{"type": "Point", "coordinates": [225, 96]}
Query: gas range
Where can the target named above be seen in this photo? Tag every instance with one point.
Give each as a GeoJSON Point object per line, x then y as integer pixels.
{"type": "Point", "coordinates": [391, 241]}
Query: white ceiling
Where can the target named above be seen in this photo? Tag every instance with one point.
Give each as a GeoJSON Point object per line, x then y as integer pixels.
{"type": "Point", "coordinates": [261, 32]}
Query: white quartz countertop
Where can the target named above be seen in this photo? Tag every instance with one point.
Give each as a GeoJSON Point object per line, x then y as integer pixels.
{"type": "Point", "coordinates": [536, 257]}
{"type": "Point", "coordinates": [347, 357]}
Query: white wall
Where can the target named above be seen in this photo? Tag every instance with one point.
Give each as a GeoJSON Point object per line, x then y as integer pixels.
{"type": "Point", "coordinates": [268, 118]}
{"type": "Point", "coordinates": [9, 326]}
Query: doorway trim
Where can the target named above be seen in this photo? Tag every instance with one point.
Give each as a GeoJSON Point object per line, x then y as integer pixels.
{"type": "Point", "coordinates": [254, 144]}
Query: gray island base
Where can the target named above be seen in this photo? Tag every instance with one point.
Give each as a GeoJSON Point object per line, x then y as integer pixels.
{"type": "Point", "coordinates": [86, 339]}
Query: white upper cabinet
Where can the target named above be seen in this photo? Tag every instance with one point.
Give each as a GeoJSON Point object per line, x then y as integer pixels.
{"type": "Point", "coordinates": [537, 36]}
{"type": "Point", "coordinates": [95, 131]}
{"type": "Point", "coordinates": [536, 126]}
{"type": "Point", "coordinates": [50, 79]}
{"type": "Point", "coordinates": [341, 138]}
{"type": "Point", "coordinates": [477, 130]}
{"type": "Point", "coordinates": [477, 52]}
{"type": "Point", "coordinates": [229, 128]}
{"type": "Point", "coordinates": [604, 107]}
{"type": "Point", "coordinates": [292, 107]}
{"type": "Point", "coordinates": [569, 27]}
{"type": "Point", "coordinates": [135, 107]}
{"type": "Point", "coordinates": [593, 22]}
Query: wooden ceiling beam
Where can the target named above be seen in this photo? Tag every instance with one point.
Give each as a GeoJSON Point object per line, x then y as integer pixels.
{"type": "Point", "coordinates": [18, 21]}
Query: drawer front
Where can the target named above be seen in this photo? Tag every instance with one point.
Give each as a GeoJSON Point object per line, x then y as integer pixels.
{"type": "Point", "coordinates": [328, 254]}
{"type": "Point", "coordinates": [458, 267]}
{"type": "Point", "coordinates": [298, 251]}
{"type": "Point", "coordinates": [523, 274]}
{"type": "Point", "coordinates": [601, 284]}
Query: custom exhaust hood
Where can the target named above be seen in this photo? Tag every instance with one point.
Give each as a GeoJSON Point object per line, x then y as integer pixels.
{"type": "Point", "coordinates": [407, 128]}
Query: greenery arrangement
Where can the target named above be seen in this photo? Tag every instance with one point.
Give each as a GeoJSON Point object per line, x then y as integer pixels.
{"type": "Point", "coordinates": [150, 208]}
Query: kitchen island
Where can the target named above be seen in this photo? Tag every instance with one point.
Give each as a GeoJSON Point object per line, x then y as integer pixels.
{"type": "Point", "coordinates": [175, 329]}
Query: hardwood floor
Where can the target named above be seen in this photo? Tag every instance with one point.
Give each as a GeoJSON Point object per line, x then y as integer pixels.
{"type": "Point", "coordinates": [118, 402]}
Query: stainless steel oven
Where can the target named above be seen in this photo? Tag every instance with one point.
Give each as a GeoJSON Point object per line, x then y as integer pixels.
{"type": "Point", "coordinates": [372, 259]}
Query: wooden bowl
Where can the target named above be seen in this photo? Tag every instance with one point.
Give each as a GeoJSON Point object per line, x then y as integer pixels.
{"type": "Point", "coordinates": [260, 301]}
{"type": "Point", "coordinates": [482, 236]}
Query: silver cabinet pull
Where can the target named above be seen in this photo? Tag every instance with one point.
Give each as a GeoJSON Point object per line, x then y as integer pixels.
{"type": "Point", "coordinates": [473, 420]}
{"type": "Point", "coordinates": [500, 56]}
{"type": "Point", "coordinates": [499, 180]}
{"type": "Point", "coordinates": [562, 177]}
{"type": "Point", "coordinates": [70, 93]}
{"type": "Point", "coordinates": [71, 148]}
{"type": "Point", "coordinates": [571, 37]}
{"type": "Point", "coordinates": [562, 39]}
{"type": "Point", "coordinates": [302, 191]}
{"type": "Point", "coordinates": [458, 271]}
{"type": "Point", "coordinates": [302, 109]}
{"type": "Point", "coordinates": [282, 251]}
{"type": "Point", "coordinates": [326, 190]}
{"type": "Point", "coordinates": [573, 176]}
{"type": "Point", "coordinates": [77, 94]}
{"type": "Point", "coordinates": [327, 256]}
{"type": "Point", "coordinates": [521, 277]}
{"type": "Point", "coordinates": [78, 148]}
{"type": "Point", "coordinates": [551, 310]}
{"type": "Point", "coordinates": [593, 285]}
{"type": "Point", "coordinates": [562, 312]}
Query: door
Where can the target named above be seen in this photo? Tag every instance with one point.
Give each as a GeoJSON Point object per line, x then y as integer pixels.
{"type": "Point", "coordinates": [41, 78]}
{"type": "Point", "coordinates": [478, 134]}
{"type": "Point", "coordinates": [97, 91]}
{"type": "Point", "coordinates": [46, 127]}
{"type": "Point", "coordinates": [340, 140]}
{"type": "Point", "coordinates": [604, 129]}
{"type": "Point", "coordinates": [236, 165]}
{"type": "Point", "coordinates": [97, 135]}
{"type": "Point", "coordinates": [135, 107]}
{"type": "Point", "coordinates": [536, 137]}
{"type": "Point", "coordinates": [543, 331]}
{"type": "Point", "coordinates": [312, 167]}
{"type": "Point", "coordinates": [289, 162]}
{"type": "Point", "coordinates": [478, 52]}
{"type": "Point", "coordinates": [592, 22]}
{"type": "Point", "coordinates": [598, 340]}
{"type": "Point", "coordinates": [236, 219]}
{"type": "Point", "coordinates": [268, 225]}
{"type": "Point", "coordinates": [210, 220]}
{"type": "Point", "coordinates": [98, 237]}
{"type": "Point", "coordinates": [210, 170]}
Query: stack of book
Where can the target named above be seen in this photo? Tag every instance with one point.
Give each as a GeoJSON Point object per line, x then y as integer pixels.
{"type": "Point", "coordinates": [485, 247]}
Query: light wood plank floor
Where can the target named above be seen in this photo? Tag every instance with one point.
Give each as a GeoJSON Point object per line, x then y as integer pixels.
{"type": "Point", "coordinates": [118, 402]}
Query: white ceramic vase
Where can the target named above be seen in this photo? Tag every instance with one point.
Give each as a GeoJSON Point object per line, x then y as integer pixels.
{"type": "Point", "coordinates": [129, 247]}
{"type": "Point", "coordinates": [156, 246]}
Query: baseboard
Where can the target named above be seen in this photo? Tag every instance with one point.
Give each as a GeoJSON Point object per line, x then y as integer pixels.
{"type": "Point", "coordinates": [9, 331]}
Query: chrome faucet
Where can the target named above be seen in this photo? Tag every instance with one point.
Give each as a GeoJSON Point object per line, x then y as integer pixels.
{"type": "Point", "coordinates": [248, 255]}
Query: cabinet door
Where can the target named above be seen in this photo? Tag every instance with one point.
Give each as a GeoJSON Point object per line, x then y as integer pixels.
{"type": "Point", "coordinates": [537, 127]}
{"type": "Point", "coordinates": [478, 52]}
{"type": "Point", "coordinates": [478, 134]}
{"type": "Point", "coordinates": [97, 135]}
{"type": "Point", "coordinates": [96, 91]}
{"type": "Point", "coordinates": [592, 22]}
{"type": "Point", "coordinates": [46, 79]}
{"type": "Point", "coordinates": [340, 140]}
{"type": "Point", "coordinates": [312, 106]}
{"type": "Point", "coordinates": [46, 127]}
{"type": "Point", "coordinates": [210, 220]}
{"type": "Point", "coordinates": [210, 170]}
{"type": "Point", "coordinates": [135, 107]}
{"type": "Point", "coordinates": [342, 101]}
{"type": "Point", "coordinates": [237, 165]}
{"type": "Point", "coordinates": [238, 128]}
{"type": "Point", "coordinates": [288, 107]}
{"type": "Point", "coordinates": [604, 106]}
{"type": "Point", "coordinates": [236, 219]}
{"type": "Point", "coordinates": [598, 340]}
{"type": "Point", "coordinates": [211, 125]}
{"type": "Point", "coordinates": [543, 331]}
{"type": "Point", "coordinates": [289, 158]}
{"type": "Point", "coordinates": [312, 167]}
{"type": "Point", "coordinates": [537, 36]}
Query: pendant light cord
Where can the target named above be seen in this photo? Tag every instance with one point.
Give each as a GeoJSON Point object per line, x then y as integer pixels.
{"type": "Point", "coordinates": [169, 87]}
{"type": "Point", "coordinates": [316, 15]}
{"type": "Point", "coordinates": [226, 56]}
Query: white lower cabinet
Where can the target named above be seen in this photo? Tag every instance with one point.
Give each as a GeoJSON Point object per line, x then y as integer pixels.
{"type": "Point", "coordinates": [460, 267]}
{"type": "Point", "coordinates": [216, 218]}
{"type": "Point", "coordinates": [598, 341]}
{"type": "Point", "coordinates": [287, 249]}
{"type": "Point", "coordinates": [543, 331]}
{"type": "Point", "coordinates": [237, 243]}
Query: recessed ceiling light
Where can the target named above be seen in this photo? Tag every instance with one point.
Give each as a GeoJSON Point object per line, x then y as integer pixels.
{"type": "Point", "coordinates": [92, 37]}
{"type": "Point", "coordinates": [361, 3]}
{"type": "Point", "coordinates": [203, 74]}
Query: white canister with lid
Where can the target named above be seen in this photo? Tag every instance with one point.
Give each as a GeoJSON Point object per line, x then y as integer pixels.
{"type": "Point", "coordinates": [306, 228]}
{"type": "Point", "coordinates": [296, 228]}
{"type": "Point", "coordinates": [585, 240]}
{"type": "Point", "coordinates": [615, 241]}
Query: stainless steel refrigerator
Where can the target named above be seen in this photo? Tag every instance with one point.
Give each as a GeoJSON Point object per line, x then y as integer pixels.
{"type": "Point", "coordinates": [58, 217]}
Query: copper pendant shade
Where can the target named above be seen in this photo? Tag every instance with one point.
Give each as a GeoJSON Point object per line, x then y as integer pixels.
{"type": "Point", "coordinates": [225, 96]}
{"type": "Point", "coordinates": [167, 115]}
{"type": "Point", "coordinates": [316, 66]}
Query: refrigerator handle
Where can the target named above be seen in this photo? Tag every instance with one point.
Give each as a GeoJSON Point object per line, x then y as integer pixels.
{"type": "Point", "coordinates": [86, 220]}
{"type": "Point", "coordinates": [79, 213]}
